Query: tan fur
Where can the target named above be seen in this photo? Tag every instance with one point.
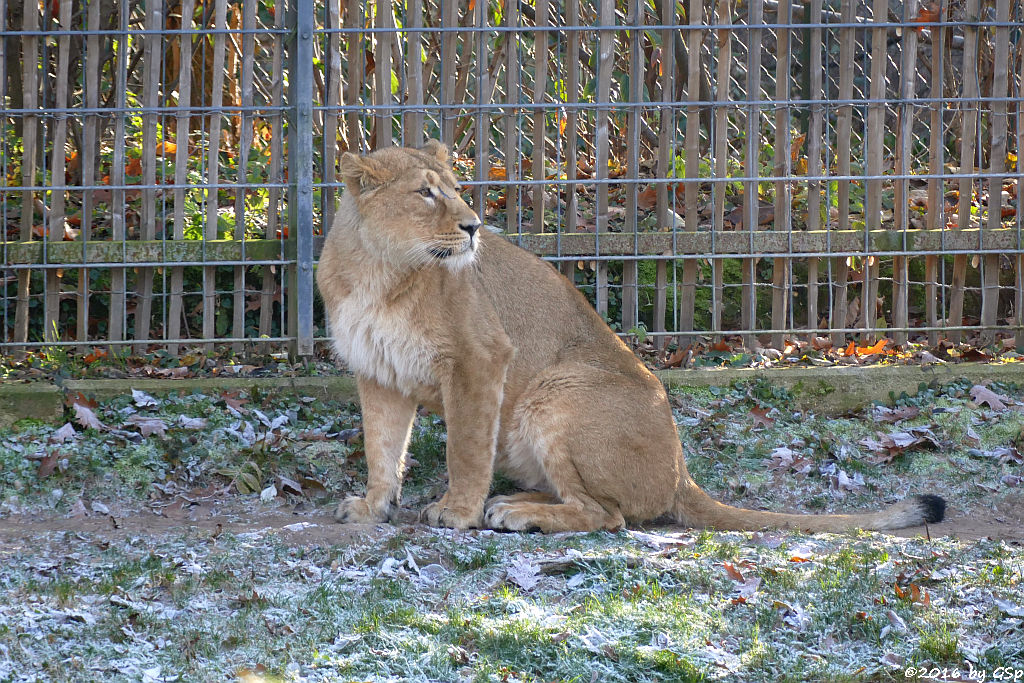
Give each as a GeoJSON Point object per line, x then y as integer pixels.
{"type": "Point", "coordinates": [426, 310]}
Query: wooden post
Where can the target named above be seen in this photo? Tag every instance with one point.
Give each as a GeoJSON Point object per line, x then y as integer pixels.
{"type": "Point", "coordinates": [694, 40]}
{"type": "Point", "coordinates": [815, 134]}
{"type": "Point", "coordinates": [844, 131]}
{"type": "Point", "coordinates": [997, 167]}
{"type": "Point", "coordinates": [968, 132]}
{"type": "Point", "coordinates": [900, 264]}
{"type": "Point", "coordinates": [782, 165]}
{"type": "Point", "coordinates": [213, 172]}
{"type": "Point", "coordinates": [721, 151]}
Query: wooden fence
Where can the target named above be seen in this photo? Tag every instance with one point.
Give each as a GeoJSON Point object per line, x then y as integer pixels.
{"type": "Point", "coordinates": [765, 168]}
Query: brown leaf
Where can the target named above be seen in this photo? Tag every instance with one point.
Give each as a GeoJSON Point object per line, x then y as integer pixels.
{"type": "Point", "coordinates": [761, 418]}
{"type": "Point", "coordinates": [982, 394]}
{"type": "Point", "coordinates": [648, 199]}
{"type": "Point", "coordinates": [733, 573]}
{"type": "Point", "coordinates": [47, 465]}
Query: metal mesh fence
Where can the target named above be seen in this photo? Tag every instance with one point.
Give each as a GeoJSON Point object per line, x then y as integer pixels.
{"type": "Point", "coordinates": [762, 169]}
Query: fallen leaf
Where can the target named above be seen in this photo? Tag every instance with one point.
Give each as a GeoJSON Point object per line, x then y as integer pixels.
{"type": "Point", "coordinates": [761, 418]}
{"type": "Point", "coordinates": [982, 394]}
{"type": "Point", "coordinates": [733, 572]}
{"type": "Point", "coordinates": [85, 416]}
{"type": "Point", "coordinates": [65, 433]}
{"type": "Point", "coordinates": [148, 426]}
{"type": "Point", "coordinates": [523, 572]}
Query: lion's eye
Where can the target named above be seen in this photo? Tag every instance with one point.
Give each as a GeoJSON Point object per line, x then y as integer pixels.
{"type": "Point", "coordinates": [425, 192]}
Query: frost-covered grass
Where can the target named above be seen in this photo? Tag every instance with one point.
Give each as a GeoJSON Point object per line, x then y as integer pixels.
{"type": "Point", "coordinates": [282, 593]}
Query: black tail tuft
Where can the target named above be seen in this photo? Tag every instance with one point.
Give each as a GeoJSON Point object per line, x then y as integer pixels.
{"type": "Point", "coordinates": [933, 507]}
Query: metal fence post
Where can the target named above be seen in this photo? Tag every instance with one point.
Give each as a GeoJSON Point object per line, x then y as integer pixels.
{"type": "Point", "coordinates": [300, 176]}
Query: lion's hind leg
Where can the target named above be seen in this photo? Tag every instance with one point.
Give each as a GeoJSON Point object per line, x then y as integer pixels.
{"type": "Point", "coordinates": [560, 440]}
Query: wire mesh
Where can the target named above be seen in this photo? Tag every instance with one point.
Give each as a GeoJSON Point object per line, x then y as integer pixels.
{"type": "Point", "coordinates": [766, 169]}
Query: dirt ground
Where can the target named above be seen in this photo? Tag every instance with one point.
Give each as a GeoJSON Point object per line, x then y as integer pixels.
{"type": "Point", "coordinates": [305, 526]}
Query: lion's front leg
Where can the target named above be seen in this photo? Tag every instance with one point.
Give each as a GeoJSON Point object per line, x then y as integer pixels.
{"type": "Point", "coordinates": [472, 404]}
{"type": "Point", "coordinates": [387, 421]}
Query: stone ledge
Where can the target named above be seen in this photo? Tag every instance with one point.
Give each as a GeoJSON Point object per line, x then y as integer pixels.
{"type": "Point", "coordinates": [831, 390]}
{"type": "Point", "coordinates": [38, 400]}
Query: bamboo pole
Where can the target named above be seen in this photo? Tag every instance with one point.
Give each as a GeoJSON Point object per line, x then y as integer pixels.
{"type": "Point", "coordinates": [721, 151]}
{"type": "Point", "coordinates": [875, 153]}
{"type": "Point", "coordinates": [782, 164]}
{"type": "Point", "coordinates": [55, 231]}
{"type": "Point", "coordinates": [183, 122]}
{"type": "Point", "coordinates": [815, 134]}
{"type": "Point", "coordinates": [147, 229]}
{"type": "Point", "coordinates": [540, 84]}
{"type": "Point", "coordinates": [900, 264]}
{"type": "Point", "coordinates": [665, 163]}
{"type": "Point", "coordinates": [449, 62]}
{"type": "Point", "coordinates": [512, 94]}
{"type": "Point", "coordinates": [355, 74]}
{"type": "Point", "coordinates": [332, 116]}
{"type": "Point", "coordinates": [572, 50]}
{"type": "Point", "coordinates": [844, 132]}
{"type": "Point", "coordinates": [90, 133]}
{"type": "Point", "coordinates": [30, 128]}
{"type": "Point", "coordinates": [118, 276]}
{"type": "Point", "coordinates": [694, 40]}
{"type": "Point", "coordinates": [210, 231]}
{"type": "Point", "coordinates": [605, 63]}
{"type": "Point", "coordinates": [968, 132]}
{"type": "Point", "coordinates": [751, 199]}
{"type": "Point", "coordinates": [635, 19]}
{"type": "Point", "coordinates": [244, 146]}
{"type": "Point", "coordinates": [382, 72]}
{"type": "Point", "coordinates": [935, 217]}
{"type": "Point", "coordinates": [413, 119]}
{"type": "Point", "coordinates": [997, 166]}
{"type": "Point", "coordinates": [276, 172]}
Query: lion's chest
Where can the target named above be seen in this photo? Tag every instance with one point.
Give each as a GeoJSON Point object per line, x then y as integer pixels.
{"type": "Point", "coordinates": [380, 342]}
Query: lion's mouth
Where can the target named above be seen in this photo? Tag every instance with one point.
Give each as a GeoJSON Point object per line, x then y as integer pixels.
{"type": "Point", "coordinates": [442, 253]}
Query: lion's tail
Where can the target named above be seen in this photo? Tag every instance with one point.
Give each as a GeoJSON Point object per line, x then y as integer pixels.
{"type": "Point", "coordinates": [693, 507]}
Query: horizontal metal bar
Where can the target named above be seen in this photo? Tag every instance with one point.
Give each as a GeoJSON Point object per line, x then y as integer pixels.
{"type": "Point", "coordinates": [825, 331]}
{"type": "Point", "coordinates": [226, 186]}
{"type": "Point", "coordinates": [144, 342]}
{"type": "Point", "coordinates": [498, 107]}
{"type": "Point", "coordinates": [863, 23]}
{"type": "Point", "coordinates": [195, 110]}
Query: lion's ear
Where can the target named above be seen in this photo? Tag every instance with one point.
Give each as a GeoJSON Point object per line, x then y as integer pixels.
{"type": "Point", "coordinates": [439, 150]}
{"type": "Point", "coordinates": [363, 173]}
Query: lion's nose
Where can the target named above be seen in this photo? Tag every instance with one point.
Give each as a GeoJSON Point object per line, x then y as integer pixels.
{"type": "Point", "coordinates": [470, 227]}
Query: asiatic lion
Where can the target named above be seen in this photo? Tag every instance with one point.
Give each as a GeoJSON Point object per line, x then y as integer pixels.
{"type": "Point", "coordinates": [428, 309]}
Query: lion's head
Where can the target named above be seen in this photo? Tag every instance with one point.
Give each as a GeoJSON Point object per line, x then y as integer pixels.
{"type": "Point", "coordinates": [409, 206]}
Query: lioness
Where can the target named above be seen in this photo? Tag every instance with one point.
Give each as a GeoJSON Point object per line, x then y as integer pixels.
{"type": "Point", "coordinates": [428, 309]}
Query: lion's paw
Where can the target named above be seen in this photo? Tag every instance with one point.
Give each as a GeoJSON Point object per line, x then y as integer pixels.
{"type": "Point", "coordinates": [510, 516]}
{"type": "Point", "coordinates": [443, 513]}
{"type": "Point", "coordinates": [355, 510]}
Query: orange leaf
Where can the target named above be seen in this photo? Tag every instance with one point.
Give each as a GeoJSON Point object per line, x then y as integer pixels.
{"type": "Point", "coordinates": [721, 345]}
{"type": "Point", "coordinates": [878, 347]}
{"type": "Point", "coordinates": [851, 350]}
{"type": "Point", "coordinates": [648, 199]}
{"type": "Point", "coordinates": [497, 173]}
{"type": "Point", "coordinates": [133, 167]}
{"type": "Point", "coordinates": [733, 572]}
{"type": "Point", "coordinates": [472, 5]}
{"type": "Point", "coordinates": [96, 355]}
{"type": "Point", "coordinates": [165, 148]}
{"type": "Point", "coordinates": [900, 593]}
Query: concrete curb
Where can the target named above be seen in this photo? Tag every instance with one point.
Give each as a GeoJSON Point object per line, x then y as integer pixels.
{"type": "Point", "coordinates": [840, 389]}
{"type": "Point", "coordinates": [831, 390]}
